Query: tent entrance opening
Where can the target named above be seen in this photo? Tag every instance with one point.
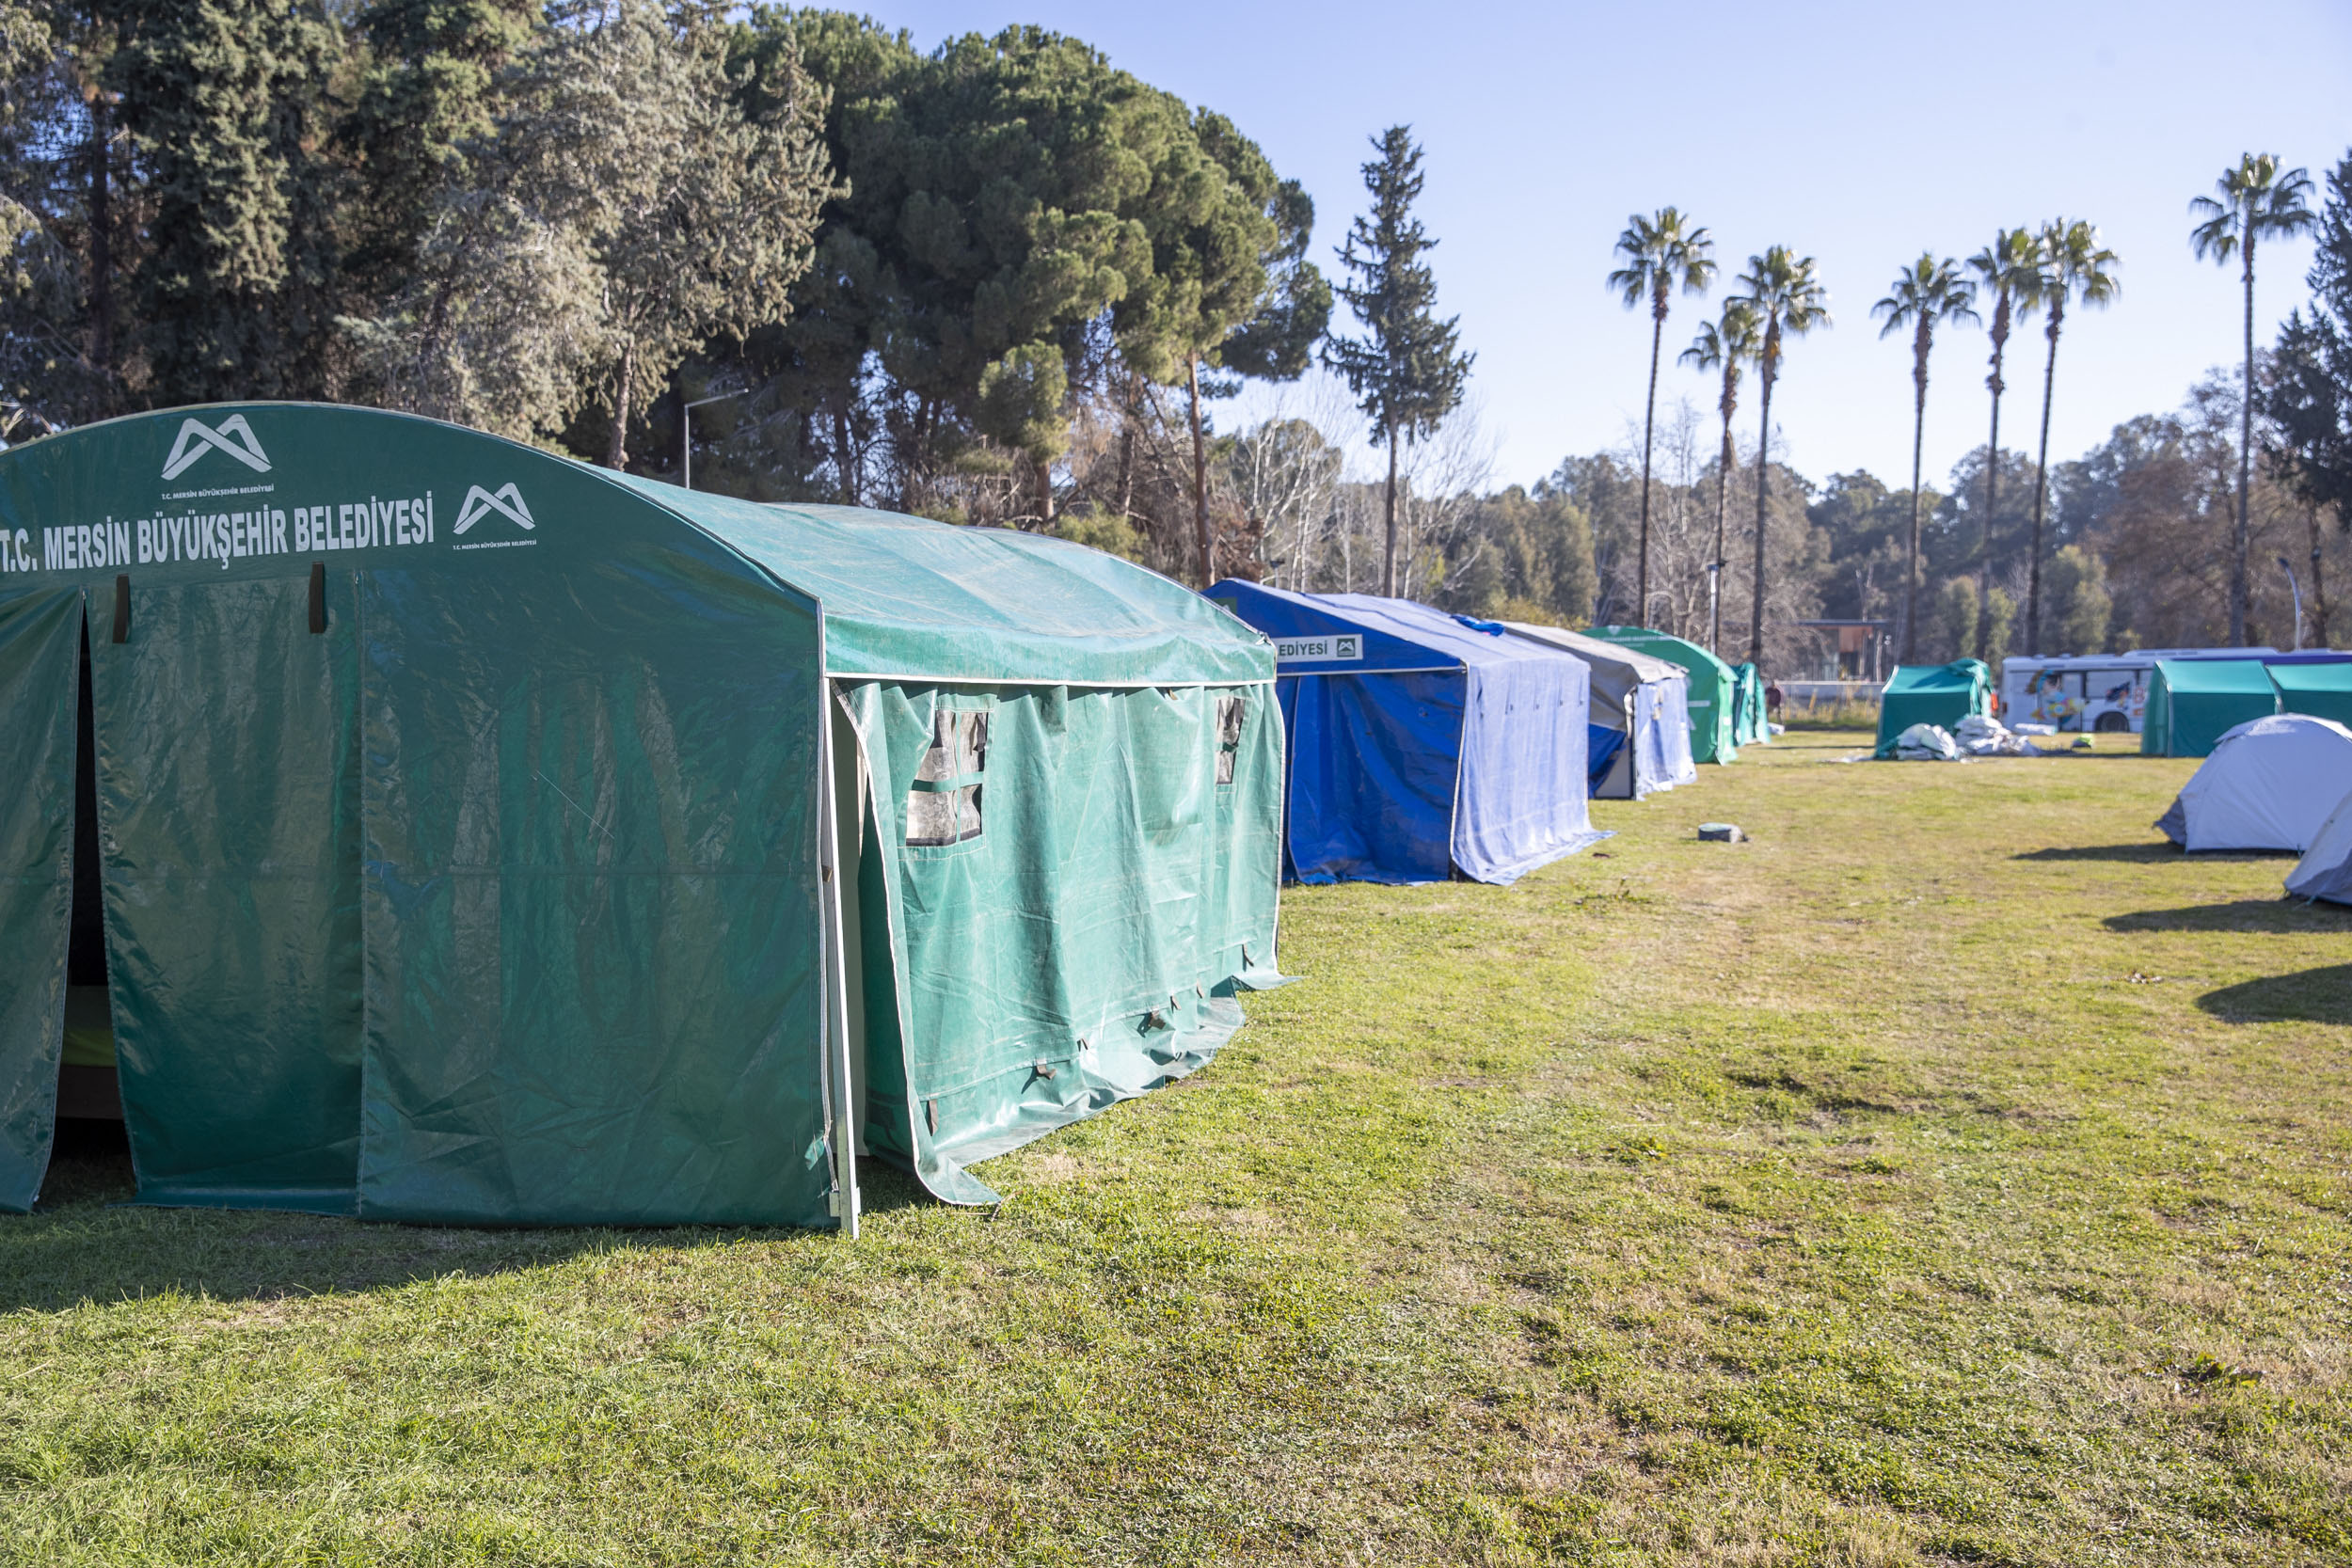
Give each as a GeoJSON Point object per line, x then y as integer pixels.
{"type": "Point", "coordinates": [86, 1085]}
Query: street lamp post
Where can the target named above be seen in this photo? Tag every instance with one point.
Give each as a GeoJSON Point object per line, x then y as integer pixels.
{"type": "Point", "coordinates": [686, 436]}
{"type": "Point", "coordinates": [2297, 588]}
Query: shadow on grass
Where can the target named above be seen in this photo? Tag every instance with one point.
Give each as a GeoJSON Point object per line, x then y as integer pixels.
{"type": "Point", "coordinates": [2244, 915]}
{"type": "Point", "coordinates": [2311, 995]}
{"type": "Point", "coordinates": [2155, 850]}
{"type": "Point", "coordinates": [87, 1243]}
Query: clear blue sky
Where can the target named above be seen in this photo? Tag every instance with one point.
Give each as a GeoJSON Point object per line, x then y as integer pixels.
{"type": "Point", "coordinates": [1855, 133]}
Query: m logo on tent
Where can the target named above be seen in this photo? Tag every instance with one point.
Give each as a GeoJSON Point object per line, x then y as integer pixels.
{"type": "Point", "coordinates": [235, 436]}
{"type": "Point", "coordinates": [507, 501]}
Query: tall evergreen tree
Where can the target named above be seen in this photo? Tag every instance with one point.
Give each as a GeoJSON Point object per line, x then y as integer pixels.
{"type": "Point", "coordinates": [1926, 295]}
{"type": "Point", "coordinates": [2254, 198]}
{"type": "Point", "coordinates": [1724, 345]}
{"type": "Point", "coordinates": [1405, 371]}
{"type": "Point", "coordinates": [2074, 266]}
{"type": "Point", "coordinates": [1781, 288]}
{"type": "Point", "coordinates": [430, 88]}
{"type": "Point", "coordinates": [227, 102]}
{"type": "Point", "coordinates": [1661, 253]}
{"type": "Point", "coordinates": [2010, 270]}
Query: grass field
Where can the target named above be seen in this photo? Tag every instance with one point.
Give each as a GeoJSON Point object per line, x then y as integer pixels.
{"type": "Point", "coordinates": [1948, 1176]}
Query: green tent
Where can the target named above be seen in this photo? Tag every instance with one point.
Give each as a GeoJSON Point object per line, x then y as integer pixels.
{"type": "Point", "coordinates": [429, 828]}
{"type": "Point", "coordinates": [1714, 689]}
{"type": "Point", "coordinates": [2193, 701]}
{"type": "Point", "coordinates": [1942, 694]}
{"type": "Point", "coordinates": [1750, 723]}
{"type": "Point", "coordinates": [2321, 690]}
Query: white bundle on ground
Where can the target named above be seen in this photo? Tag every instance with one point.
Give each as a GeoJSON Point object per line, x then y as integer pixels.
{"type": "Point", "coordinates": [1981, 735]}
{"type": "Point", "coordinates": [1926, 743]}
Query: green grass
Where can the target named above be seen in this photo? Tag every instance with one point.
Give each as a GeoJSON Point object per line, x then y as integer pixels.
{"type": "Point", "coordinates": [1950, 1175]}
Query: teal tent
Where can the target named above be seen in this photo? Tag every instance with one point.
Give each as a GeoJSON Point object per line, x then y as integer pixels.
{"type": "Point", "coordinates": [2193, 701]}
{"type": "Point", "coordinates": [1750, 723]}
{"type": "Point", "coordinates": [2321, 690]}
{"type": "Point", "coordinates": [411, 824]}
{"type": "Point", "coordinates": [1941, 694]}
{"type": "Point", "coordinates": [1714, 689]}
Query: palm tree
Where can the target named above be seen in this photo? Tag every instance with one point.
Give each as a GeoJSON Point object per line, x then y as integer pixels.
{"type": "Point", "coordinates": [2254, 200]}
{"type": "Point", "coordinates": [2010, 267]}
{"type": "Point", "coordinates": [1926, 294]}
{"type": "Point", "coordinates": [1661, 253]}
{"type": "Point", "coordinates": [1724, 345]}
{"type": "Point", "coordinates": [1781, 288]}
{"type": "Point", "coordinates": [2074, 266]}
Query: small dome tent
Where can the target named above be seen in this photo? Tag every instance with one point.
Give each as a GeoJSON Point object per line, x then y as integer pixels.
{"type": "Point", "coordinates": [1714, 691]}
{"type": "Point", "coordinates": [1941, 694]}
{"type": "Point", "coordinates": [1645, 701]}
{"type": "Point", "coordinates": [1420, 746]}
{"type": "Point", "coordinates": [2267, 784]}
{"type": "Point", "coordinates": [465, 834]}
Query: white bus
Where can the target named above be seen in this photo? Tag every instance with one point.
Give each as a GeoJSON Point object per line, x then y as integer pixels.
{"type": "Point", "coordinates": [2102, 693]}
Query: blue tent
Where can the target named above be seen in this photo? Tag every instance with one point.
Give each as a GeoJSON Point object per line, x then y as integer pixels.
{"type": "Point", "coordinates": [1420, 745]}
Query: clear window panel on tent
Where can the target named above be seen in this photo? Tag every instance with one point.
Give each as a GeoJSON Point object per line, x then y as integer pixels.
{"type": "Point", "coordinates": [1229, 711]}
{"type": "Point", "coordinates": [944, 807]}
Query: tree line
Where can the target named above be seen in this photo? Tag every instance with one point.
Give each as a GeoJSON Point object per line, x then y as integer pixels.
{"type": "Point", "coordinates": [992, 281]}
{"type": "Point", "coordinates": [1002, 281]}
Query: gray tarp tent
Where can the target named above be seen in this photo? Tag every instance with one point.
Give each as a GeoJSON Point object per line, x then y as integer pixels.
{"type": "Point", "coordinates": [1644, 699]}
{"type": "Point", "coordinates": [440, 830]}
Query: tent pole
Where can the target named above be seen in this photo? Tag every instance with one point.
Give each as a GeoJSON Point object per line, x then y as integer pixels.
{"type": "Point", "coordinates": [840, 1110]}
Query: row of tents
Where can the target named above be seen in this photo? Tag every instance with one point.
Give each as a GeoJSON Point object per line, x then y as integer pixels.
{"type": "Point", "coordinates": [409, 824]}
{"type": "Point", "coordinates": [1425, 745]}
{"type": "Point", "coordinates": [2192, 703]}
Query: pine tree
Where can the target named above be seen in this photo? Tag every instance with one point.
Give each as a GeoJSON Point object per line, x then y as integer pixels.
{"type": "Point", "coordinates": [227, 102]}
{"type": "Point", "coordinates": [1404, 371]}
{"type": "Point", "coordinates": [430, 89]}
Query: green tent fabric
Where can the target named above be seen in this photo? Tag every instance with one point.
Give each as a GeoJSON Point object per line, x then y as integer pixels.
{"type": "Point", "coordinates": [472, 820]}
{"type": "Point", "coordinates": [2193, 701]}
{"type": "Point", "coordinates": [1941, 694]}
{"type": "Point", "coordinates": [1714, 688]}
{"type": "Point", "coordinates": [2321, 690]}
{"type": "Point", "coordinates": [1750, 723]}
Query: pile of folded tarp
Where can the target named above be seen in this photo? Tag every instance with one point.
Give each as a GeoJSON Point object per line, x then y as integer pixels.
{"type": "Point", "coordinates": [1926, 743]}
{"type": "Point", "coordinates": [1981, 734]}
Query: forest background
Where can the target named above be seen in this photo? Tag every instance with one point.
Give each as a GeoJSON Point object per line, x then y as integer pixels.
{"type": "Point", "coordinates": [999, 281]}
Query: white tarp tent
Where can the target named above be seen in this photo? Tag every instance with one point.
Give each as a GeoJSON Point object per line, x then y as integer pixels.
{"type": "Point", "coordinates": [1643, 698]}
{"type": "Point", "coordinates": [2326, 869]}
{"type": "Point", "coordinates": [2269, 785]}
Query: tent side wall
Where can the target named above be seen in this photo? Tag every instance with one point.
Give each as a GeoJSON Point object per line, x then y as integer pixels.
{"type": "Point", "coordinates": [1081, 939]}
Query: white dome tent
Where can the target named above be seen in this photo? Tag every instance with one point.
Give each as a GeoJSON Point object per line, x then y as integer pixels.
{"type": "Point", "coordinates": [2269, 785]}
